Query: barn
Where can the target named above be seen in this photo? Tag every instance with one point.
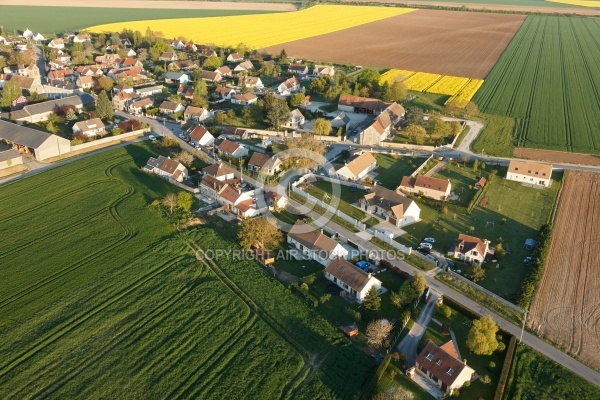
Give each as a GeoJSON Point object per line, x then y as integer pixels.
{"type": "Point", "coordinates": [41, 145]}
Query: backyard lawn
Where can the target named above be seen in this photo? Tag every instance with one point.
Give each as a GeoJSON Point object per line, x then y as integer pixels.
{"type": "Point", "coordinates": [393, 168]}
{"type": "Point", "coordinates": [513, 213]}
{"type": "Point", "coordinates": [322, 190]}
{"type": "Point", "coordinates": [462, 177]}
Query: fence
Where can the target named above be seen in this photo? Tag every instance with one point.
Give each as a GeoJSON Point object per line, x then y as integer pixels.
{"type": "Point", "coordinates": [387, 239]}
{"type": "Point", "coordinates": [421, 167]}
{"type": "Point", "coordinates": [405, 146]}
{"type": "Point", "coordinates": [109, 139]}
{"type": "Point", "coordinates": [327, 207]}
{"type": "Point", "coordinates": [482, 289]}
{"type": "Point", "coordinates": [398, 334]}
{"type": "Point", "coordinates": [340, 182]}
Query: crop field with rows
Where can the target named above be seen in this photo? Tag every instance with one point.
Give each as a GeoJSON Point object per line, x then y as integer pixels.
{"type": "Point", "coordinates": [548, 79]}
{"type": "Point", "coordinates": [259, 31]}
{"type": "Point", "coordinates": [101, 298]}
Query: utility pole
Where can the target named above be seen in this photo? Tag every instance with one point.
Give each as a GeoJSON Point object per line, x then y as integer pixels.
{"type": "Point", "coordinates": [523, 328]}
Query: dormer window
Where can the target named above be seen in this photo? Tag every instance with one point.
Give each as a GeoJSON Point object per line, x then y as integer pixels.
{"type": "Point", "coordinates": [439, 361]}
{"type": "Point", "coordinates": [429, 356]}
{"type": "Point", "coordinates": [450, 371]}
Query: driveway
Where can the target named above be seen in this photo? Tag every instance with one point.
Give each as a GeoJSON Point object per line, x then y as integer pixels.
{"type": "Point", "coordinates": [408, 345]}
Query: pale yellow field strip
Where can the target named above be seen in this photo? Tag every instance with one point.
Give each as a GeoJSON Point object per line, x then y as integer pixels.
{"type": "Point", "coordinates": [158, 4]}
{"type": "Point", "coordinates": [261, 30]}
{"type": "Point", "coordinates": [583, 3]}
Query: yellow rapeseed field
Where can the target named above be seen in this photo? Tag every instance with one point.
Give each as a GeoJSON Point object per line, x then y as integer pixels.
{"type": "Point", "coordinates": [583, 3]}
{"type": "Point", "coordinates": [461, 90]}
{"type": "Point", "coordinates": [261, 30]}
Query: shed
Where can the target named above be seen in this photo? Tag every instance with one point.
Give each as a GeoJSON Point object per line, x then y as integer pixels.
{"type": "Point", "coordinates": [529, 244]}
{"type": "Point", "coordinates": [350, 329]}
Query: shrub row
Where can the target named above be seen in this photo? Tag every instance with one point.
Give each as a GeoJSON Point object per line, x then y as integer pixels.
{"type": "Point", "coordinates": [510, 353]}
{"type": "Point", "coordinates": [475, 200]}
{"type": "Point", "coordinates": [536, 268]}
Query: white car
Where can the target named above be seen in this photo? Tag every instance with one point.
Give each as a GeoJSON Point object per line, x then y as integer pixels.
{"type": "Point", "coordinates": [197, 146]}
{"type": "Point", "coordinates": [429, 240]}
{"type": "Point", "coordinates": [425, 246]}
{"type": "Point", "coordinates": [152, 137]}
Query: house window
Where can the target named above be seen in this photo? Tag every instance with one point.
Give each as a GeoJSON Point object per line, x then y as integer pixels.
{"type": "Point", "coordinates": [450, 371]}
{"type": "Point", "coordinates": [439, 361]}
{"type": "Point", "coordinates": [429, 356]}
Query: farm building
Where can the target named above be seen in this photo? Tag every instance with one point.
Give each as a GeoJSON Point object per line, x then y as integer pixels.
{"type": "Point", "coordinates": [41, 111]}
{"type": "Point", "coordinates": [9, 157]}
{"type": "Point", "coordinates": [393, 207]}
{"type": "Point", "coordinates": [41, 145]}
{"type": "Point", "coordinates": [443, 367]}
{"type": "Point", "coordinates": [352, 279]}
{"type": "Point", "coordinates": [530, 172]}
{"type": "Point", "coordinates": [314, 243]}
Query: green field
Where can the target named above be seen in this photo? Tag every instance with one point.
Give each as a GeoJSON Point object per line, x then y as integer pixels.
{"type": "Point", "coordinates": [102, 298]}
{"type": "Point", "coordinates": [538, 3]}
{"type": "Point", "coordinates": [534, 376]}
{"type": "Point", "coordinates": [548, 78]}
{"type": "Point", "coordinates": [55, 20]}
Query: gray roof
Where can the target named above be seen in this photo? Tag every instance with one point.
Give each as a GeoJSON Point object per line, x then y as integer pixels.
{"type": "Point", "coordinates": [22, 135]}
{"type": "Point", "coordinates": [173, 75]}
{"type": "Point", "coordinates": [8, 153]}
{"type": "Point", "coordinates": [48, 106]}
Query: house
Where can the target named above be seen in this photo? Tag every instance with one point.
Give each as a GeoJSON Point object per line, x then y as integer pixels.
{"type": "Point", "coordinates": [41, 145]}
{"type": "Point", "coordinates": [264, 164]}
{"type": "Point", "coordinates": [360, 105]}
{"type": "Point", "coordinates": [237, 201]}
{"type": "Point", "coordinates": [131, 62]}
{"type": "Point", "coordinates": [251, 81]}
{"type": "Point", "coordinates": [197, 114]}
{"type": "Point", "coordinates": [88, 71]}
{"type": "Point", "coordinates": [351, 279]}
{"type": "Point", "coordinates": [168, 56]}
{"type": "Point", "coordinates": [314, 243]}
{"type": "Point", "coordinates": [231, 149]}
{"type": "Point", "coordinates": [27, 84]}
{"type": "Point", "coordinates": [200, 136]}
{"type": "Point", "coordinates": [41, 111]}
{"type": "Point", "coordinates": [224, 92]}
{"type": "Point", "coordinates": [341, 120]}
{"type": "Point", "coordinates": [206, 52]}
{"type": "Point", "coordinates": [296, 120]}
{"type": "Point", "coordinates": [90, 128]}
{"type": "Point", "coordinates": [125, 42]}
{"type": "Point", "coordinates": [187, 92]}
{"type": "Point", "coordinates": [61, 75]}
{"type": "Point", "coordinates": [220, 172]}
{"type": "Point", "coordinates": [469, 248]}
{"type": "Point", "coordinates": [9, 157]}
{"type": "Point", "coordinates": [38, 37]}
{"type": "Point", "coordinates": [56, 89]}
{"type": "Point", "coordinates": [85, 82]}
{"type": "Point", "coordinates": [149, 91]}
{"type": "Point", "coordinates": [357, 168]}
{"type": "Point", "coordinates": [125, 88]}
{"type": "Point", "coordinates": [177, 77]}
{"type": "Point", "coordinates": [138, 106]}
{"type": "Point", "coordinates": [168, 107]}
{"type": "Point", "coordinates": [443, 367]}
{"type": "Point", "coordinates": [244, 99]}
{"type": "Point", "coordinates": [176, 44]}
{"type": "Point", "coordinates": [233, 132]}
{"type": "Point", "coordinates": [244, 66]}
{"type": "Point", "coordinates": [235, 57]}
{"type": "Point", "coordinates": [480, 182]}
{"type": "Point", "coordinates": [185, 65]}
{"type": "Point", "coordinates": [166, 168]}
{"type": "Point", "coordinates": [131, 53]}
{"type": "Point", "coordinates": [57, 44]}
{"type": "Point", "coordinates": [381, 128]}
{"type": "Point", "coordinates": [224, 71]}
{"type": "Point", "coordinates": [82, 38]}
{"type": "Point", "coordinates": [393, 207]}
{"type": "Point", "coordinates": [434, 188]}
{"type": "Point", "coordinates": [211, 76]}
{"type": "Point", "coordinates": [122, 100]}
{"type": "Point", "coordinates": [324, 70]}
{"type": "Point", "coordinates": [275, 200]}
{"type": "Point", "coordinates": [530, 172]}
{"type": "Point", "coordinates": [298, 69]}
{"type": "Point", "coordinates": [27, 33]}
{"type": "Point", "coordinates": [190, 47]}
{"type": "Point", "coordinates": [289, 86]}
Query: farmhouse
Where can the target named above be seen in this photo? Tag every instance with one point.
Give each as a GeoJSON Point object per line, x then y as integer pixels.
{"type": "Point", "coordinates": [381, 128]}
{"type": "Point", "coordinates": [90, 128]}
{"type": "Point", "coordinates": [314, 244]}
{"type": "Point", "coordinates": [41, 145]}
{"type": "Point", "coordinates": [200, 136]}
{"type": "Point", "coordinates": [396, 209]}
{"type": "Point", "coordinates": [231, 149]}
{"type": "Point", "coordinates": [357, 168]}
{"type": "Point", "coordinates": [264, 164]}
{"type": "Point", "coordinates": [244, 99]}
{"type": "Point", "coordinates": [289, 86]}
{"type": "Point", "coordinates": [9, 157]}
{"type": "Point", "coordinates": [469, 248]}
{"type": "Point", "coordinates": [427, 186]}
{"type": "Point", "coordinates": [351, 278]}
{"type": "Point", "coordinates": [530, 172]}
{"type": "Point", "coordinates": [198, 114]}
{"type": "Point", "coordinates": [443, 367]}
{"type": "Point", "coordinates": [41, 111]}
{"type": "Point", "coordinates": [166, 168]}
{"type": "Point", "coordinates": [168, 107]}
{"type": "Point", "coordinates": [360, 105]}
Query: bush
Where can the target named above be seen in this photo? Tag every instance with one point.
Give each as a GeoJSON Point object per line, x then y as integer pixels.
{"type": "Point", "coordinates": [466, 384]}
{"type": "Point", "coordinates": [309, 279]}
{"type": "Point", "coordinates": [505, 368]}
{"type": "Point", "coordinates": [501, 346]}
{"type": "Point", "coordinates": [445, 311]}
{"type": "Point", "coordinates": [325, 298]}
{"type": "Point", "coordinates": [485, 379]}
{"type": "Point", "coordinates": [304, 287]}
{"type": "Point", "coordinates": [492, 365]}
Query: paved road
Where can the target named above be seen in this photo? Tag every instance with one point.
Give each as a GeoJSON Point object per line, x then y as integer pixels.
{"type": "Point", "coordinates": [41, 64]}
{"type": "Point", "coordinates": [409, 343]}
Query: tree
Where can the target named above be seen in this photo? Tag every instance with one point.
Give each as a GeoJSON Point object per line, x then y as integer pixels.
{"type": "Point", "coordinates": [219, 118]}
{"type": "Point", "coordinates": [70, 115]}
{"type": "Point", "coordinates": [418, 283]}
{"type": "Point", "coordinates": [394, 92]}
{"type": "Point", "coordinates": [405, 295]}
{"type": "Point", "coordinates": [414, 116]}
{"type": "Point", "coordinates": [185, 200]}
{"type": "Point", "coordinates": [278, 113]}
{"type": "Point", "coordinates": [259, 233]}
{"type": "Point", "coordinates": [283, 57]}
{"type": "Point", "coordinates": [318, 85]}
{"type": "Point", "coordinates": [10, 93]}
{"type": "Point", "coordinates": [482, 336]}
{"type": "Point", "coordinates": [445, 311]}
{"type": "Point", "coordinates": [212, 62]}
{"type": "Point", "coordinates": [414, 131]}
{"type": "Point", "coordinates": [438, 127]}
{"type": "Point", "coordinates": [369, 77]}
{"type": "Point", "coordinates": [372, 300]}
{"type": "Point", "coordinates": [105, 83]}
{"type": "Point", "coordinates": [296, 99]}
{"type": "Point", "coordinates": [303, 152]}
{"type": "Point", "coordinates": [321, 127]}
{"type": "Point", "coordinates": [103, 106]}
{"type": "Point", "coordinates": [377, 331]}
{"type": "Point", "coordinates": [476, 165]}
{"type": "Point", "coordinates": [170, 201]}
{"type": "Point", "coordinates": [185, 157]}
{"type": "Point", "coordinates": [200, 88]}
{"type": "Point", "coordinates": [477, 273]}
{"type": "Point", "coordinates": [471, 109]}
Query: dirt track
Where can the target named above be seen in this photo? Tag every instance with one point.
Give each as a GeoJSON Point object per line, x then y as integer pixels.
{"type": "Point", "coordinates": [550, 9]}
{"type": "Point", "coordinates": [444, 42]}
{"type": "Point", "coordinates": [566, 307]}
{"type": "Point", "coordinates": [167, 4]}
{"type": "Point", "coordinates": [553, 156]}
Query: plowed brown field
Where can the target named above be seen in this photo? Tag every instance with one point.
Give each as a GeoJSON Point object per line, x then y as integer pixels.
{"type": "Point", "coordinates": [566, 307]}
{"type": "Point", "coordinates": [557, 156]}
{"type": "Point", "coordinates": [454, 43]}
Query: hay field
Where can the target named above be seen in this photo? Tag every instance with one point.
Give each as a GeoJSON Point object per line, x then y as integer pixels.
{"type": "Point", "coordinates": [566, 306]}
{"type": "Point", "coordinates": [259, 31]}
{"type": "Point", "coordinates": [451, 43]}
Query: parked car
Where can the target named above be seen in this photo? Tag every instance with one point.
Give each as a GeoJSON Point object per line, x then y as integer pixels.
{"type": "Point", "coordinates": [353, 188]}
{"type": "Point", "coordinates": [152, 137]}
{"type": "Point", "coordinates": [450, 263]}
{"type": "Point", "coordinates": [429, 240]}
{"type": "Point", "coordinates": [426, 246]}
{"type": "Point", "coordinates": [182, 136]}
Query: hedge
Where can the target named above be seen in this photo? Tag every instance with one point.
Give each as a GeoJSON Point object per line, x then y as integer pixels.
{"type": "Point", "coordinates": [535, 271]}
{"type": "Point", "coordinates": [510, 353]}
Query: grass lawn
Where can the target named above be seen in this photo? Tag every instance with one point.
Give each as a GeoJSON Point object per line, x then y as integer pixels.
{"type": "Point", "coordinates": [535, 376]}
{"type": "Point", "coordinates": [346, 197]}
{"type": "Point", "coordinates": [426, 101]}
{"type": "Point", "coordinates": [460, 325]}
{"type": "Point", "coordinates": [497, 138]}
{"type": "Point", "coordinates": [392, 169]}
{"type": "Point", "coordinates": [462, 177]}
{"type": "Point", "coordinates": [462, 136]}
{"type": "Point", "coordinates": [401, 380]}
{"type": "Point", "coordinates": [525, 209]}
